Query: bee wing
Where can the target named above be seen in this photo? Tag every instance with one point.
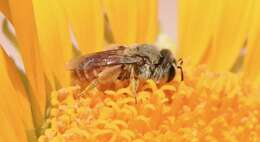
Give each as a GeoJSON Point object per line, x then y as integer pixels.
{"type": "Point", "coordinates": [101, 59]}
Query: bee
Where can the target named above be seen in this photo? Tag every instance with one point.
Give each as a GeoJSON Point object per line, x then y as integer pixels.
{"type": "Point", "coordinates": [135, 63]}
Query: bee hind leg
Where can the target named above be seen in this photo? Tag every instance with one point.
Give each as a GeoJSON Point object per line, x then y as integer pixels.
{"type": "Point", "coordinates": [91, 86]}
{"type": "Point", "coordinates": [106, 76]}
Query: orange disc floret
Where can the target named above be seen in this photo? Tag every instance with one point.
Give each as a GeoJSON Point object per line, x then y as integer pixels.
{"type": "Point", "coordinates": [207, 106]}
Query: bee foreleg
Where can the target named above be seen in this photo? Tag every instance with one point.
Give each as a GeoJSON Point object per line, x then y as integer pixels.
{"type": "Point", "coordinates": [134, 84]}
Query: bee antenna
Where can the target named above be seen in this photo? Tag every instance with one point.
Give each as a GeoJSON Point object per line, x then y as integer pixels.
{"type": "Point", "coordinates": [180, 61]}
{"type": "Point", "coordinates": [179, 66]}
{"type": "Point", "coordinates": [182, 76]}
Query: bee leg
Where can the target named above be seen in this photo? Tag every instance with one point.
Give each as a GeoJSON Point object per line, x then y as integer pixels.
{"type": "Point", "coordinates": [106, 76]}
{"type": "Point", "coordinates": [133, 84]}
{"type": "Point", "coordinates": [91, 86]}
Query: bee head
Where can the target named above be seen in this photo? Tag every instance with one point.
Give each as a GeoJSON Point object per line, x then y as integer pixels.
{"type": "Point", "coordinates": [169, 65]}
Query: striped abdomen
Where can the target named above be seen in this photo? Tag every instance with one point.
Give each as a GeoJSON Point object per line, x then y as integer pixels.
{"type": "Point", "coordinates": [87, 74]}
{"type": "Point", "coordinates": [103, 74]}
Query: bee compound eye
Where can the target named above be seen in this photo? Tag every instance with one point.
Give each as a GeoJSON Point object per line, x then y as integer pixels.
{"type": "Point", "coordinates": [171, 73]}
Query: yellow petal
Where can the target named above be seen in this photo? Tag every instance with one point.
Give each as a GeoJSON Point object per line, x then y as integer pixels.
{"type": "Point", "coordinates": [23, 21]}
{"type": "Point", "coordinates": [13, 73]}
{"type": "Point", "coordinates": [86, 19]}
{"type": "Point", "coordinates": [147, 21]}
{"type": "Point", "coordinates": [54, 40]}
{"type": "Point", "coordinates": [22, 98]}
{"type": "Point", "coordinates": [230, 33]}
{"type": "Point", "coordinates": [9, 34]}
{"type": "Point", "coordinates": [12, 126]}
{"type": "Point", "coordinates": [252, 64]}
{"type": "Point", "coordinates": [4, 7]}
{"type": "Point", "coordinates": [196, 23]}
{"type": "Point", "coordinates": [122, 16]}
{"type": "Point", "coordinates": [10, 131]}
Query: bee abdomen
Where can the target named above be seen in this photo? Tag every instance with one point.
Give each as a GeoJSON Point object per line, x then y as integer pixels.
{"type": "Point", "coordinates": [86, 75]}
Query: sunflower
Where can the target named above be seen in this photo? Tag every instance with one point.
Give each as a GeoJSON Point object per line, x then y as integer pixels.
{"type": "Point", "coordinates": [219, 99]}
